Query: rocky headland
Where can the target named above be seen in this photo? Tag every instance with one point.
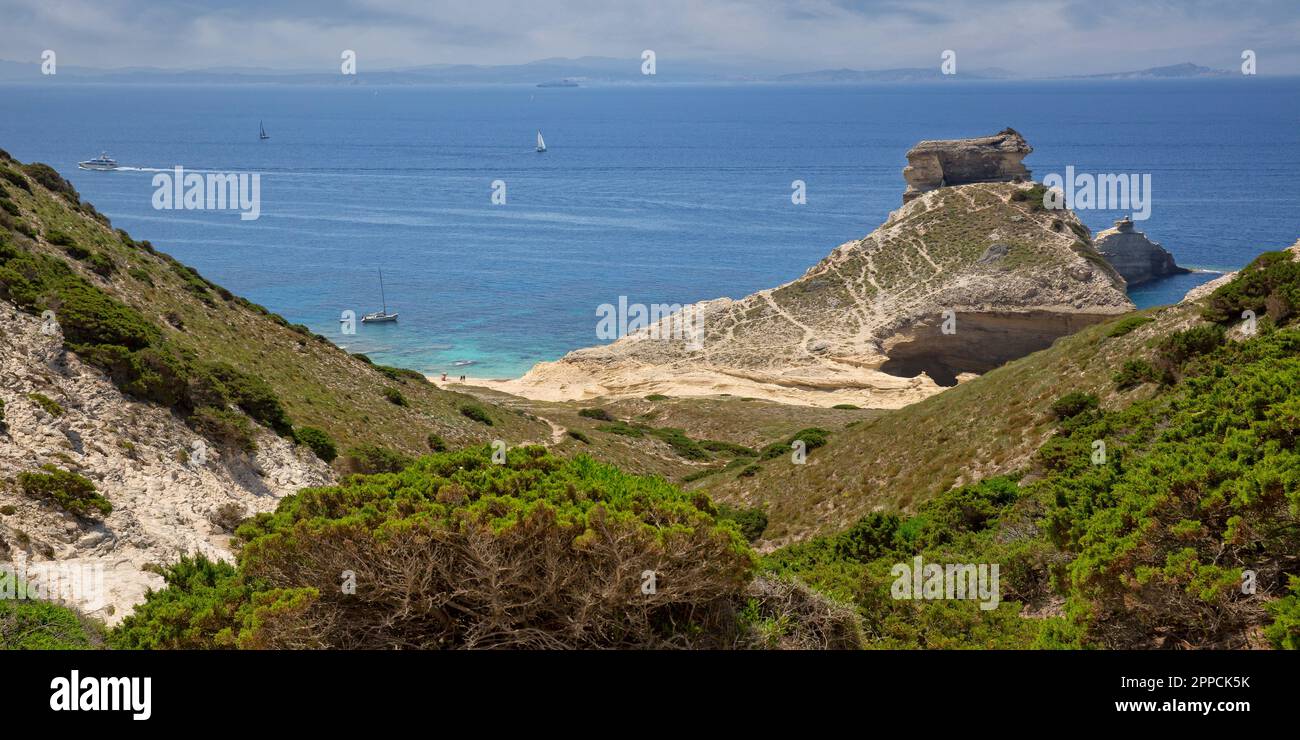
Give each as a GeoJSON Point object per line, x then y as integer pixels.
{"type": "Point", "coordinates": [960, 280]}
{"type": "Point", "coordinates": [1137, 258]}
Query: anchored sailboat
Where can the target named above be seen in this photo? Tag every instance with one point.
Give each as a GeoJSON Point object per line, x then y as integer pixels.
{"type": "Point", "coordinates": [541, 144]}
{"type": "Point", "coordinates": [261, 132]}
{"type": "Point", "coordinates": [383, 315]}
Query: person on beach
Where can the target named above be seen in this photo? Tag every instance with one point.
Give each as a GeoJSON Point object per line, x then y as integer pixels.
{"type": "Point", "coordinates": [444, 377]}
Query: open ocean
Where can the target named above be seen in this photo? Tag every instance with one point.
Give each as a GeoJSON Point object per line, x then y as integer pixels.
{"type": "Point", "coordinates": [662, 194]}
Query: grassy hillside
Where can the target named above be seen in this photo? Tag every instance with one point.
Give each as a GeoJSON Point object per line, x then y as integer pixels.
{"type": "Point", "coordinates": [167, 334]}
{"type": "Point", "coordinates": [1170, 518]}
{"type": "Point", "coordinates": [987, 426]}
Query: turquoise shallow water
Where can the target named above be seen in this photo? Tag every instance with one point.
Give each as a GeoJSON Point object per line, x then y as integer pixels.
{"type": "Point", "coordinates": [665, 195]}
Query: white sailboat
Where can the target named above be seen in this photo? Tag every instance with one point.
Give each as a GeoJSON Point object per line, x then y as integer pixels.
{"type": "Point", "coordinates": [541, 144]}
{"type": "Point", "coordinates": [380, 316]}
{"type": "Point", "coordinates": [261, 132]}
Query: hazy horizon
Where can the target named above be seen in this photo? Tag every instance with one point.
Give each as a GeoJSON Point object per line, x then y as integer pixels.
{"type": "Point", "coordinates": [1035, 39]}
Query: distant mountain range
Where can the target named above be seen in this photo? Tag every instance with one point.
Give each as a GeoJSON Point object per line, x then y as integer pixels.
{"type": "Point", "coordinates": [1184, 70]}
{"type": "Point", "coordinates": [583, 71]}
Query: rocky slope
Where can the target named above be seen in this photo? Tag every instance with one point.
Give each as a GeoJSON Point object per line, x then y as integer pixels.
{"type": "Point", "coordinates": [866, 325]}
{"type": "Point", "coordinates": [1133, 255]}
{"type": "Point", "coordinates": [138, 455]}
{"type": "Point", "coordinates": [989, 426]}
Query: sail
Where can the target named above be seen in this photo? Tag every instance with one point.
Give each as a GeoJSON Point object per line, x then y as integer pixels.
{"type": "Point", "coordinates": [541, 145]}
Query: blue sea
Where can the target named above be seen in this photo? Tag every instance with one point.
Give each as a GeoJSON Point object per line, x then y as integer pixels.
{"type": "Point", "coordinates": [661, 194]}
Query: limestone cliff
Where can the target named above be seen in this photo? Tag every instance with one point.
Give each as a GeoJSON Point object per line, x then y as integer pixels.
{"type": "Point", "coordinates": [866, 324]}
{"type": "Point", "coordinates": [1133, 255]}
{"type": "Point", "coordinates": [945, 162]}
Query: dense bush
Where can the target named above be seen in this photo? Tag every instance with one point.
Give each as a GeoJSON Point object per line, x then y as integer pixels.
{"type": "Point", "coordinates": [27, 623]}
{"type": "Point", "coordinates": [70, 491]}
{"type": "Point", "coordinates": [1128, 324]}
{"type": "Point", "coordinates": [812, 438]}
{"type": "Point", "coordinates": [1268, 285]}
{"type": "Point", "coordinates": [681, 444]}
{"type": "Point", "coordinates": [597, 414]}
{"type": "Point", "coordinates": [436, 443]}
{"type": "Point", "coordinates": [395, 397]}
{"type": "Point", "coordinates": [538, 553]}
{"type": "Point", "coordinates": [624, 429]}
{"type": "Point", "coordinates": [476, 412]}
{"type": "Point", "coordinates": [254, 396]}
{"type": "Point", "coordinates": [318, 441]}
{"type": "Point", "coordinates": [1134, 373]}
{"type": "Point", "coordinates": [1072, 404]}
{"type": "Point", "coordinates": [226, 427]}
{"type": "Point", "coordinates": [371, 459]}
{"type": "Point", "coordinates": [752, 521]}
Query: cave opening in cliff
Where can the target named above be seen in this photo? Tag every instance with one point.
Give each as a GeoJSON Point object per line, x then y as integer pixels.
{"type": "Point", "coordinates": [980, 343]}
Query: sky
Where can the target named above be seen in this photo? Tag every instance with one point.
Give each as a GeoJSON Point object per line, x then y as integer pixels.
{"type": "Point", "coordinates": [1027, 37]}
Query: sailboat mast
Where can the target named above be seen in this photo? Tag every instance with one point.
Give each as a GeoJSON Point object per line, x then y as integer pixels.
{"type": "Point", "coordinates": [382, 297]}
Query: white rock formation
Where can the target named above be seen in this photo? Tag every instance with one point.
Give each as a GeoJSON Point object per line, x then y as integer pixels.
{"type": "Point", "coordinates": [133, 452]}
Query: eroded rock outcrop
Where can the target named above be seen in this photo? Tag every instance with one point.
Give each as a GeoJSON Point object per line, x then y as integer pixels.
{"type": "Point", "coordinates": [138, 455]}
{"type": "Point", "coordinates": [945, 162]}
{"type": "Point", "coordinates": [957, 281]}
{"type": "Point", "coordinates": [1133, 255]}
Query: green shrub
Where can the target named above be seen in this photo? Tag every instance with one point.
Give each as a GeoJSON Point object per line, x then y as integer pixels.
{"type": "Point", "coordinates": [1135, 373]}
{"type": "Point", "coordinates": [396, 398]}
{"type": "Point", "coordinates": [575, 434]}
{"type": "Point", "coordinates": [1128, 324]}
{"type": "Point", "coordinates": [227, 428]}
{"type": "Point", "coordinates": [27, 623]}
{"type": "Point", "coordinates": [70, 491]}
{"type": "Point", "coordinates": [141, 274]}
{"type": "Point", "coordinates": [1072, 404]}
{"type": "Point", "coordinates": [597, 414]}
{"type": "Point", "coordinates": [812, 438]}
{"type": "Point", "coordinates": [101, 264]}
{"type": "Point", "coordinates": [254, 396]}
{"type": "Point", "coordinates": [62, 239]}
{"type": "Point", "coordinates": [436, 443]}
{"type": "Point", "coordinates": [727, 448]}
{"type": "Point", "coordinates": [318, 441]}
{"type": "Point", "coordinates": [1032, 197]}
{"type": "Point", "coordinates": [623, 428]}
{"type": "Point", "coordinates": [681, 444]}
{"type": "Point", "coordinates": [401, 374]}
{"type": "Point", "coordinates": [656, 397]}
{"type": "Point", "coordinates": [372, 459]}
{"type": "Point", "coordinates": [15, 178]}
{"type": "Point", "coordinates": [1268, 285]}
{"type": "Point", "coordinates": [49, 405]}
{"type": "Point", "coordinates": [568, 541]}
{"type": "Point", "coordinates": [844, 406]}
{"type": "Point", "coordinates": [477, 413]}
{"type": "Point", "coordinates": [752, 521]}
{"type": "Point", "coordinates": [51, 179]}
